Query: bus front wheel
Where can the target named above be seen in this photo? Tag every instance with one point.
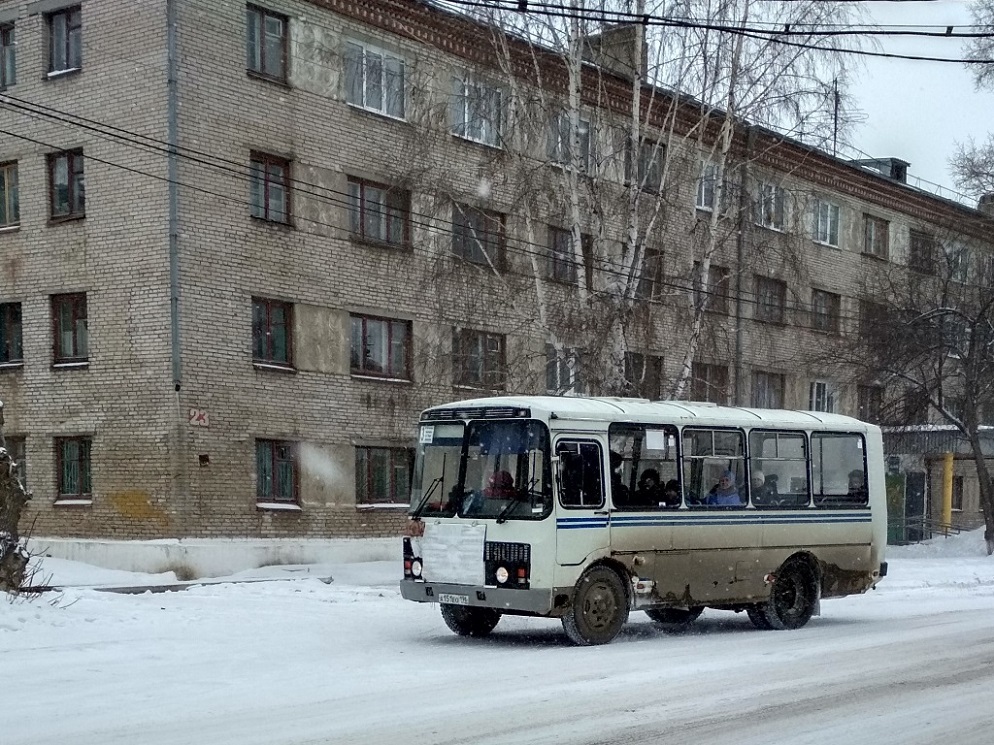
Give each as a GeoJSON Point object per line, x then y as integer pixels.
{"type": "Point", "coordinates": [792, 599]}
{"type": "Point", "coordinates": [599, 608]}
{"type": "Point", "coordinates": [674, 619]}
{"type": "Point", "coordinates": [469, 621]}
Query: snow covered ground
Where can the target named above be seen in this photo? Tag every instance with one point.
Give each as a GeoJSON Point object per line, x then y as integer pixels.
{"type": "Point", "coordinates": [302, 661]}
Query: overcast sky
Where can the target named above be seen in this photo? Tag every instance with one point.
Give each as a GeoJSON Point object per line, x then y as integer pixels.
{"type": "Point", "coordinates": [918, 111]}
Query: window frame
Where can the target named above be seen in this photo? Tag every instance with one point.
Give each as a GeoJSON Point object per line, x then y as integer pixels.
{"type": "Point", "coordinates": [8, 55]}
{"type": "Point", "coordinates": [707, 186]}
{"type": "Point", "coordinates": [643, 369]}
{"type": "Point", "coordinates": [770, 288]}
{"type": "Point", "coordinates": [476, 230]}
{"type": "Point", "coordinates": [75, 185]}
{"type": "Point", "coordinates": [718, 291]}
{"type": "Point", "coordinates": [263, 332]}
{"type": "Point", "coordinates": [387, 367]}
{"type": "Point", "coordinates": [823, 396]}
{"type": "Point", "coordinates": [827, 223]}
{"type": "Point", "coordinates": [359, 212]}
{"type": "Point", "coordinates": [560, 141]}
{"type": "Point", "coordinates": [772, 386]}
{"type": "Point", "coordinates": [397, 457]}
{"type": "Point", "coordinates": [876, 236]}
{"type": "Point", "coordinates": [262, 184]}
{"type": "Point", "coordinates": [72, 48]}
{"type": "Point", "coordinates": [922, 250]}
{"type": "Point", "coordinates": [651, 163]}
{"type": "Point", "coordinates": [563, 371]}
{"type": "Point", "coordinates": [482, 126]}
{"type": "Point", "coordinates": [826, 311]}
{"type": "Point", "coordinates": [84, 465]}
{"type": "Point", "coordinates": [11, 334]}
{"type": "Point", "coordinates": [361, 65]}
{"type": "Point", "coordinates": [9, 195]}
{"type": "Point", "coordinates": [709, 382]}
{"type": "Point", "coordinates": [259, 48]}
{"type": "Point", "coordinates": [493, 362]}
{"type": "Point", "coordinates": [869, 403]}
{"type": "Point", "coordinates": [261, 497]}
{"type": "Point", "coordinates": [80, 336]}
{"type": "Point", "coordinates": [771, 206]}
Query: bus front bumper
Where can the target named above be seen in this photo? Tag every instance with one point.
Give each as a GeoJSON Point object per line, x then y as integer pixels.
{"type": "Point", "coordinates": [532, 602]}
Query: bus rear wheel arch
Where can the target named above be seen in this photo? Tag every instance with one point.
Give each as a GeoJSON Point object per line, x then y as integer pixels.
{"type": "Point", "coordinates": [599, 607]}
{"type": "Point", "coordinates": [793, 598]}
{"type": "Point", "coordinates": [467, 620]}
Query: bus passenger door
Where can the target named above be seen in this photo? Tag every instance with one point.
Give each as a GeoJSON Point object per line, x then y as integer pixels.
{"type": "Point", "coordinates": [581, 507]}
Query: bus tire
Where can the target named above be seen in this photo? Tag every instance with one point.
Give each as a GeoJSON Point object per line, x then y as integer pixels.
{"type": "Point", "coordinates": [792, 600]}
{"type": "Point", "coordinates": [674, 619]}
{"type": "Point", "coordinates": [469, 621]}
{"type": "Point", "coordinates": [599, 608]}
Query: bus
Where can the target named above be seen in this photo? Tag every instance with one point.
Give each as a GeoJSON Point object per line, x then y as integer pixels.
{"type": "Point", "coordinates": [586, 509]}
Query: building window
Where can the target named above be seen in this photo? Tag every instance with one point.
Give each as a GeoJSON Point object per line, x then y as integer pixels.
{"type": "Point", "coordinates": [958, 259]}
{"type": "Point", "coordinates": [11, 349]}
{"type": "Point", "coordinates": [17, 449]}
{"type": "Point", "coordinates": [957, 493]}
{"type": "Point", "coordinates": [707, 185]}
{"type": "Point", "coordinates": [374, 80]}
{"type": "Point", "coordinates": [66, 185]}
{"type": "Point", "coordinates": [477, 111]}
{"type": "Point", "coordinates": [69, 327]}
{"type": "Point", "coordinates": [718, 288]}
{"type": "Point", "coordinates": [560, 149]}
{"type": "Point", "coordinates": [870, 402]}
{"type": "Point", "coordinates": [767, 390]}
{"type": "Point", "coordinates": [72, 456]}
{"type": "Point", "coordinates": [478, 235]}
{"type": "Point", "coordinates": [378, 213]}
{"type": "Point", "coordinates": [266, 41]}
{"type": "Point", "coordinates": [381, 346]}
{"type": "Point", "coordinates": [562, 265]}
{"type": "Point", "coordinates": [876, 236]}
{"type": "Point", "coordinates": [562, 371]}
{"type": "Point", "coordinates": [921, 251]}
{"type": "Point", "coordinates": [10, 210]}
{"type": "Point", "coordinates": [65, 40]}
{"type": "Point", "coordinates": [709, 383]}
{"type": "Point", "coordinates": [822, 396]}
{"type": "Point", "coordinates": [651, 157]}
{"type": "Point", "coordinates": [270, 187]}
{"type": "Point", "coordinates": [826, 227]}
{"type": "Point", "coordinates": [644, 375]}
{"type": "Point", "coordinates": [478, 359]}
{"type": "Point", "coordinates": [383, 475]}
{"type": "Point", "coordinates": [275, 471]}
{"type": "Point", "coordinates": [651, 279]}
{"type": "Point", "coordinates": [825, 311]}
{"type": "Point", "coordinates": [8, 67]}
{"type": "Point", "coordinates": [272, 335]}
{"type": "Point", "coordinates": [771, 299]}
{"type": "Point", "coordinates": [770, 206]}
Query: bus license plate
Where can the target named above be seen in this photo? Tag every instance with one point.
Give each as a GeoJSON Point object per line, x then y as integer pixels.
{"type": "Point", "coordinates": [453, 599]}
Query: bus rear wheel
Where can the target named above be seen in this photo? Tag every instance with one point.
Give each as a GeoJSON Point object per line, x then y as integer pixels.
{"type": "Point", "coordinates": [599, 608]}
{"type": "Point", "coordinates": [674, 619]}
{"type": "Point", "coordinates": [792, 599]}
{"type": "Point", "coordinates": [469, 621]}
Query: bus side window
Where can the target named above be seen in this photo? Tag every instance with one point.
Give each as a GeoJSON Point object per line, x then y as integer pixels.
{"type": "Point", "coordinates": [580, 469]}
{"type": "Point", "coordinates": [839, 470]}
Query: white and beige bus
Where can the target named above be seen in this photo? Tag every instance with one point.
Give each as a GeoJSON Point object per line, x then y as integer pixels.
{"type": "Point", "coordinates": [585, 509]}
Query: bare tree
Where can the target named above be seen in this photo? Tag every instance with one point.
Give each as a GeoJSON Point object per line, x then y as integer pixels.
{"type": "Point", "coordinates": [973, 163]}
{"type": "Point", "coordinates": [927, 338]}
{"type": "Point", "coordinates": [13, 555]}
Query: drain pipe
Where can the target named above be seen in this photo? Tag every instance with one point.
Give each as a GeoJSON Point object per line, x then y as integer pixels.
{"type": "Point", "coordinates": [172, 136]}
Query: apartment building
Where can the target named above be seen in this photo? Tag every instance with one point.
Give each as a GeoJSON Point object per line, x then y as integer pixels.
{"type": "Point", "coordinates": [243, 245]}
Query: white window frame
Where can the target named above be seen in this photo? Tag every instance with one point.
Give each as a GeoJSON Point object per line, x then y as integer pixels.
{"type": "Point", "coordinates": [707, 185]}
{"type": "Point", "coordinates": [827, 223]}
{"type": "Point", "coordinates": [563, 369]}
{"type": "Point", "coordinates": [771, 206]}
{"type": "Point", "coordinates": [823, 395]}
{"type": "Point", "coordinates": [959, 259]}
{"type": "Point", "coordinates": [359, 59]}
{"type": "Point", "coordinates": [473, 119]}
{"type": "Point", "coordinates": [560, 141]}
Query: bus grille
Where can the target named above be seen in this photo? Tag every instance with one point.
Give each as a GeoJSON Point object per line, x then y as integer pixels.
{"type": "Point", "coordinates": [516, 558]}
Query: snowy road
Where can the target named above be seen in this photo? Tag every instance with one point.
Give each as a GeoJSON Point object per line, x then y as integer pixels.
{"type": "Point", "coordinates": [304, 662]}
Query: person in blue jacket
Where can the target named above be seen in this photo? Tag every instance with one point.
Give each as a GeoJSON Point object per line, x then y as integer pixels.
{"type": "Point", "coordinates": [725, 492]}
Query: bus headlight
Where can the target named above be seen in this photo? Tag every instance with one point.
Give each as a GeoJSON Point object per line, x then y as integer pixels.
{"type": "Point", "coordinates": [501, 575]}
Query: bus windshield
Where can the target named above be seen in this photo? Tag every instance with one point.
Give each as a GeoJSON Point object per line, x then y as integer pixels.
{"type": "Point", "coordinates": [486, 469]}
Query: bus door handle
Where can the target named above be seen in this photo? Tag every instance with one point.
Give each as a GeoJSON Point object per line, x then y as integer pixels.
{"type": "Point", "coordinates": [602, 512]}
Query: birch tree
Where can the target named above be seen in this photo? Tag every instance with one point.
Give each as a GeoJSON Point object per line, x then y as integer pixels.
{"type": "Point", "coordinates": [973, 163]}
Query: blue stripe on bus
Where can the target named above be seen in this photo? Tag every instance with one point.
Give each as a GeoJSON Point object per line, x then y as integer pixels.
{"type": "Point", "coordinates": [652, 521]}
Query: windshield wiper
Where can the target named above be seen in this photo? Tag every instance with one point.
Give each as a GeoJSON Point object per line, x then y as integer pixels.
{"type": "Point", "coordinates": [416, 513]}
{"type": "Point", "coordinates": [502, 515]}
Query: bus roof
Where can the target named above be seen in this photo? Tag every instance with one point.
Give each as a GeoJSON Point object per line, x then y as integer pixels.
{"type": "Point", "coordinates": [644, 410]}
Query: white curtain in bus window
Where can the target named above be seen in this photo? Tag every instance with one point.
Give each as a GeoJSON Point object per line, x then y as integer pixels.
{"type": "Point", "coordinates": [838, 470]}
{"type": "Point", "coordinates": [778, 469]}
{"type": "Point", "coordinates": [708, 457]}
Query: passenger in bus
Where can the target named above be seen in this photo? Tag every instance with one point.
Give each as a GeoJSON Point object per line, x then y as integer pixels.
{"type": "Point", "coordinates": [649, 491]}
{"type": "Point", "coordinates": [725, 492]}
{"type": "Point", "coordinates": [857, 482]}
{"type": "Point", "coordinates": [671, 494]}
{"type": "Point", "coordinates": [620, 493]}
{"type": "Point", "coordinates": [500, 485]}
{"type": "Point", "coordinates": [764, 488]}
